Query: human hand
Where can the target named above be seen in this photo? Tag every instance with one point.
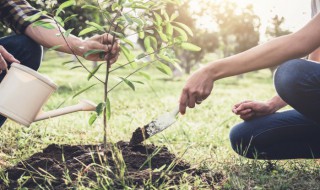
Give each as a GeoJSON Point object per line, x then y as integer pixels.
{"type": "Point", "coordinates": [251, 109]}
{"type": "Point", "coordinates": [197, 88]}
{"type": "Point", "coordinates": [4, 57]}
{"type": "Point", "coordinates": [106, 42]}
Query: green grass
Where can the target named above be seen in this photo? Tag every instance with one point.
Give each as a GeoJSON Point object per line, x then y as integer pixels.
{"type": "Point", "coordinates": [202, 133]}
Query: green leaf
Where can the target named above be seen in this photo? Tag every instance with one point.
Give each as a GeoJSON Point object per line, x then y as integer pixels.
{"type": "Point", "coordinates": [145, 75]}
{"type": "Point", "coordinates": [59, 20]}
{"type": "Point", "coordinates": [67, 62]}
{"type": "Point", "coordinates": [114, 6]}
{"type": "Point", "coordinates": [67, 33]}
{"type": "Point", "coordinates": [95, 70]}
{"type": "Point", "coordinates": [108, 108]}
{"type": "Point", "coordinates": [83, 90]}
{"type": "Point", "coordinates": [87, 30]}
{"type": "Point", "coordinates": [164, 68]}
{"type": "Point", "coordinates": [92, 119]}
{"type": "Point", "coordinates": [118, 34]}
{"type": "Point", "coordinates": [138, 21]}
{"type": "Point", "coordinates": [54, 48]}
{"type": "Point", "coordinates": [147, 42]}
{"type": "Point", "coordinates": [166, 16]}
{"type": "Point", "coordinates": [169, 29]}
{"type": "Point", "coordinates": [154, 42]}
{"type": "Point", "coordinates": [182, 33]}
{"type": "Point", "coordinates": [89, 7]}
{"type": "Point", "coordinates": [75, 67]}
{"type": "Point", "coordinates": [162, 36]}
{"type": "Point", "coordinates": [190, 46]}
{"type": "Point", "coordinates": [100, 107]}
{"type": "Point", "coordinates": [171, 61]}
{"type": "Point", "coordinates": [184, 27]}
{"type": "Point", "coordinates": [127, 41]}
{"type": "Point", "coordinates": [128, 18]}
{"type": "Point", "coordinates": [158, 19]}
{"type": "Point", "coordinates": [179, 40]}
{"type": "Point", "coordinates": [174, 16]}
{"type": "Point", "coordinates": [34, 17]}
{"type": "Point", "coordinates": [43, 24]}
{"type": "Point", "coordinates": [139, 6]}
{"type": "Point", "coordinates": [129, 83]}
{"type": "Point", "coordinates": [93, 51]}
{"type": "Point", "coordinates": [70, 18]}
{"type": "Point", "coordinates": [139, 82]}
{"type": "Point", "coordinates": [127, 53]}
{"type": "Point", "coordinates": [141, 34]}
{"type": "Point", "coordinates": [121, 2]}
{"type": "Point", "coordinates": [97, 26]}
{"type": "Point", "coordinates": [65, 5]}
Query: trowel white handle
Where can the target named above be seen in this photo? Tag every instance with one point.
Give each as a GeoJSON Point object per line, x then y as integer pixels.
{"type": "Point", "coordinates": [83, 105]}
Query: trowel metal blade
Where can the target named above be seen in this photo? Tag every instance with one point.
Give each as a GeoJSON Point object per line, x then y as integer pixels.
{"type": "Point", "coordinates": [159, 124]}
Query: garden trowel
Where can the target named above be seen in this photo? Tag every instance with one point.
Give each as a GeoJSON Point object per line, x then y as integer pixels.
{"type": "Point", "coordinates": [154, 127]}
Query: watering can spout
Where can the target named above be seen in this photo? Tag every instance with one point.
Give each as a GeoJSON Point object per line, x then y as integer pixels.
{"type": "Point", "coordinates": [83, 105]}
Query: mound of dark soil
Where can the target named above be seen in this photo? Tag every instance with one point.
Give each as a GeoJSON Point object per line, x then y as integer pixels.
{"type": "Point", "coordinates": [63, 166]}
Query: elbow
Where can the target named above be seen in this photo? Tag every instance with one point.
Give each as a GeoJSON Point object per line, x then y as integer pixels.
{"type": "Point", "coordinates": [301, 45]}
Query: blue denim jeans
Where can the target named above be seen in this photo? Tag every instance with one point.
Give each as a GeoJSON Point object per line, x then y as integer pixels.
{"type": "Point", "coordinates": [289, 134]}
{"type": "Point", "coordinates": [23, 48]}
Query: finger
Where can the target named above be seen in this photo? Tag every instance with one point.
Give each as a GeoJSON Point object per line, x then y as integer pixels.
{"type": "Point", "coordinates": [8, 56]}
{"type": "Point", "coordinates": [183, 102]}
{"type": "Point", "coordinates": [192, 101]}
{"type": "Point", "coordinates": [244, 112]}
{"type": "Point", "coordinates": [3, 63]}
{"type": "Point", "coordinates": [247, 116]}
{"type": "Point", "coordinates": [238, 104]}
{"type": "Point", "coordinates": [113, 60]}
{"type": "Point", "coordinates": [244, 106]}
{"type": "Point", "coordinates": [198, 102]}
{"type": "Point", "coordinates": [104, 38]}
{"type": "Point", "coordinates": [109, 39]}
{"type": "Point", "coordinates": [115, 47]}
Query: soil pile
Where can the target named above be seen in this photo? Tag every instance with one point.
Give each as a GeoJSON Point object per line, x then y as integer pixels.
{"type": "Point", "coordinates": [63, 166]}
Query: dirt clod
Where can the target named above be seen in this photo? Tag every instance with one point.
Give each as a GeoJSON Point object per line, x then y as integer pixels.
{"type": "Point", "coordinates": [138, 136]}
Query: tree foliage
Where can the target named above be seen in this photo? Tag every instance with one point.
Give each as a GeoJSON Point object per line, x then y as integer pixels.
{"type": "Point", "coordinates": [239, 28]}
{"type": "Point", "coordinates": [276, 29]}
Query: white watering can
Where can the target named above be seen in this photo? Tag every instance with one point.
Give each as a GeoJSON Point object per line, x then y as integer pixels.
{"type": "Point", "coordinates": [24, 91]}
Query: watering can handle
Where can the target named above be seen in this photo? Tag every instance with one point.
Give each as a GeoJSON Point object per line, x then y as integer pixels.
{"type": "Point", "coordinates": [83, 105]}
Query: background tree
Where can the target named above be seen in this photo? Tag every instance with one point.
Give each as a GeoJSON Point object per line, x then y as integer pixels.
{"type": "Point", "coordinates": [202, 37]}
{"type": "Point", "coordinates": [238, 28]}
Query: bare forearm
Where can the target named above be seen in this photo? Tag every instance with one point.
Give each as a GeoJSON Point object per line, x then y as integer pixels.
{"type": "Point", "coordinates": [276, 103]}
{"type": "Point", "coordinates": [266, 55]}
{"type": "Point", "coordinates": [52, 37]}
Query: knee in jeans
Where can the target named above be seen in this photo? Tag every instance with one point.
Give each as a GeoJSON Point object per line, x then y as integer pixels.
{"type": "Point", "coordinates": [288, 78]}
{"type": "Point", "coordinates": [241, 141]}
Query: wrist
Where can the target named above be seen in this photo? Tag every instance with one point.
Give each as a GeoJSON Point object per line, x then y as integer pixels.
{"type": "Point", "coordinates": [272, 106]}
{"type": "Point", "coordinates": [78, 46]}
{"type": "Point", "coordinates": [211, 71]}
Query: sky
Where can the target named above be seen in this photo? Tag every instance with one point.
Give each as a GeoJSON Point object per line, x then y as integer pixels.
{"type": "Point", "coordinates": [296, 12]}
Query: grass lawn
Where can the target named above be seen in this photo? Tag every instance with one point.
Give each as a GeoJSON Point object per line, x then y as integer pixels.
{"type": "Point", "coordinates": [200, 137]}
